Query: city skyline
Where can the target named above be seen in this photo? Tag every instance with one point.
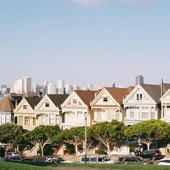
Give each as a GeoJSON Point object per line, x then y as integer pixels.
{"type": "Point", "coordinates": [85, 41]}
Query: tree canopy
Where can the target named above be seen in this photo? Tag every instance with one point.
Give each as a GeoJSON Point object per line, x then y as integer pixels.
{"type": "Point", "coordinates": [11, 134]}
{"type": "Point", "coordinates": [149, 131]}
{"type": "Point", "coordinates": [42, 135]}
{"type": "Point", "coordinates": [108, 132]}
{"type": "Point", "coordinates": [74, 136]}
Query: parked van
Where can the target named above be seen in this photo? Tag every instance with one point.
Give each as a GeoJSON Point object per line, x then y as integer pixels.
{"type": "Point", "coordinates": [96, 159]}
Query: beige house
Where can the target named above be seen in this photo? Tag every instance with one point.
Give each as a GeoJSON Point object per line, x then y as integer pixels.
{"type": "Point", "coordinates": [48, 110]}
{"type": "Point", "coordinates": [76, 109]}
{"type": "Point", "coordinates": [25, 112]}
{"type": "Point", "coordinates": [107, 104]}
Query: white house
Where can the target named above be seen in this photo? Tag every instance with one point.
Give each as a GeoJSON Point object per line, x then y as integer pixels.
{"type": "Point", "coordinates": [76, 109]}
{"type": "Point", "coordinates": [48, 110]}
{"type": "Point", "coordinates": [143, 103]}
{"type": "Point", "coordinates": [107, 104]}
{"type": "Point", "coordinates": [165, 107]}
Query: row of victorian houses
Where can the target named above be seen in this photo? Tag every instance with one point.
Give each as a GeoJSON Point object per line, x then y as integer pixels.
{"type": "Point", "coordinates": [130, 105]}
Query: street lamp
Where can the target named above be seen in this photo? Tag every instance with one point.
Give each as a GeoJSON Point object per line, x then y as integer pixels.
{"type": "Point", "coordinates": [85, 145]}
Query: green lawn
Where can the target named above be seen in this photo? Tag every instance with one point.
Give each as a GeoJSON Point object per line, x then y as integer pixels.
{"type": "Point", "coordinates": [45, 166]}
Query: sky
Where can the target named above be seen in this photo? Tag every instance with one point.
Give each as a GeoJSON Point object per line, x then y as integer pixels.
{"type": "Point", "coordinates": [85, 41]}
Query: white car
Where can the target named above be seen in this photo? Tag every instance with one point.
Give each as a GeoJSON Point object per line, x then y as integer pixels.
{"type": "Point", "coordinates": [58, 159]}
{"type": "Point", "coordinates": [103, 159]}
{"type": "Point", "coordinates": [12, 154]}
{"type": "Point", "coordinates": [164, 161]}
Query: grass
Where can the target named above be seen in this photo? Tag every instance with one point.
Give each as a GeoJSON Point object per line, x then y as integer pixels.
{"type": "Point", "coordinates": [46, 165]}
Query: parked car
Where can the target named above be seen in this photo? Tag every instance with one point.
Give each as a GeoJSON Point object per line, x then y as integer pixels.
{"type": "Point", "coordinates": [132, 160]}
{"type": "Point", "coordinates": [154, 154]}
{"type": "Point", "coordinates": [12, 154]}
{"type": "Point", "coordinates": [15, 158]}
{"type": "Point", "coordinates": [96, 159]}
{"type": "Point", "coordinates": [58, 159]}
{"type": "Point", "coordinates": [164, 161]}
{"type": "Point", "coordinates": [28, 160]}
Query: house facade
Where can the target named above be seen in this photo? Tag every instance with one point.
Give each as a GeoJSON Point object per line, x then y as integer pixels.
{"type": "Point", "coordinates": [48, 110]}
{"type": "Point", "coordinates": [25, 115]}
{"type": "Point", "coordinates": [7, 105]}
{"type": "Point", "coordinates": [76, 109]}
{"type": "Point", "coordinates": [143, 103]}
{"type": "Point", "coordinates": [107, 104]}
{"type": "Point", "coordinates": [165, 107]}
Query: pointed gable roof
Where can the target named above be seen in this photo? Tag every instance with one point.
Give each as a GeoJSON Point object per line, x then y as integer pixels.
{"type": "Point", "coordinates": [58, 99]}
{"type": "Point", "coordinates": [33, 101]}
{"type": "Point", "coordinates": [153, 90]}
{"type": "Point", "coordinates": [6, 105]}
{"type": "Point", "coordinates": [86, 96]}
{"type": "Point", "coordinates": [119, 93]}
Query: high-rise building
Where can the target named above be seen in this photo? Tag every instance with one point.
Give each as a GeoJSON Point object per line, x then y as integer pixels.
{"type": "Point", "coordinates": [68, 88]}
{"type": "Point", "coordinates": [26, 84]}
{"type": "Point", "coordinates": [18, 86]}
{"type": "Point", "coordinates": [139, 79]}
{"type": "Point", "coordinates": [22, 86]}
{"type": "Point", "coordinates": [60, 86]}
{"type": "Point", "coordinates": [51, 89]}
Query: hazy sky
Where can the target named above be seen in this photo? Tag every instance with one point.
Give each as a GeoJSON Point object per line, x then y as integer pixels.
{"type": "Point", "coordinates": [85, 41]}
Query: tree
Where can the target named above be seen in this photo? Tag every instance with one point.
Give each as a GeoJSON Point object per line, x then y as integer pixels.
{"type": "Point", "coordinates": [148, 131]}
{"type": "Point", "coordinates": [42, 135]}
{"type": "Point", "coordinates": [74, 136]}
{"type": "Point", "coordinates": [108, 132]}
{"type": "Point", "coordinates": [11, 134]}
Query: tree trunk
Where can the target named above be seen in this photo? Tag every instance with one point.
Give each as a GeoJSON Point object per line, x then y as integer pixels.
{"type": "Point", "coordinates": [76, 150]}
{"type": "Point", "coordinates": [108, 149]}
{"type": "Point", "coordinates": [42, 151]}
{"type": "Point", "coordinates": [148, 145]}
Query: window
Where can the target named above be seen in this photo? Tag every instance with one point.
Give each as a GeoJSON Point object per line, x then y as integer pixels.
{"type": "Point", "coordinates": [145, 115]}
{"type": "Point", "coordinates": [105, 99]}
{"type": "Point", "coordinates": [168, 108]}
{"type": "Point", "coordinates": [138, 96]}
{"type": "Point", "coordinates": [80, 117]}
{"type": "Point", "coordinates": [52, 119]}
{"type": "Point", "coordinates": [7, 118]}
{"type": "Point", "coordinates": [26, 120]}
{"type": "Point", "coordinates": [99, 115]}
{"type": "Point", "coordinates": [43, 119]}
{"type": "Point", "coordinates": [34, 121]}
{"type": "Point", "coordinates": [93, 159]}
{"type": "Point", "coordinates": [110, 114]}
{"type": "Point", "coordinates": [152, 115]}
{"type": "Point", "coordinates": [47, 104]}
{"type": "Point", "coordinates": [74, 101]}
{"type": "Point", "coordinates": [132, 114]}
{"type": "Point", "coordinates": [24, 107]}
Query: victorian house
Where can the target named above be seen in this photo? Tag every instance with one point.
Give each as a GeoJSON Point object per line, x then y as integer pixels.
{"type": "Point", "coordinates": [76, 110]}
{"type": "Point", "coordinates": [108, 104]}
{"type": "Point", "coordinates": [143, 103]}
{"type": "Point", "coordinates": [25, 115]}
{"type": "Point", "coordinates": [48, 110]}
{"type": "Point", "coordinates": [7, 105]}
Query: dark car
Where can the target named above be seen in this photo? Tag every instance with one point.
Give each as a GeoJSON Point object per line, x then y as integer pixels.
{"type": "Point", "coordinates": [28, 160]}
{"type": "Point", "coordinates": [154, 154]}
{"type": "Point", "coordinates": [132, 160]}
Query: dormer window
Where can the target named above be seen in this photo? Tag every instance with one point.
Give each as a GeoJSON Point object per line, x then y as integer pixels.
{"type": "Point", "coordinates": [24, 107]}
{"type": "Point", "coordinates": [47, 104]}
{"type": "Point", "coordinates": [105, 99]}
{"type": "Point", "coordinates": [74, 101]}
{"type": "Point", "coordinates": [138, 96]}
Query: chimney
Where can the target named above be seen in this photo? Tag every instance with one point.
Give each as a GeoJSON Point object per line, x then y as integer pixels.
{"type": "Point", "coordinates": [161, 87]}
{"type": "Point", "coordinates": [40, 94]}
{"type": "Point", "coordinates": [16, 103]}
